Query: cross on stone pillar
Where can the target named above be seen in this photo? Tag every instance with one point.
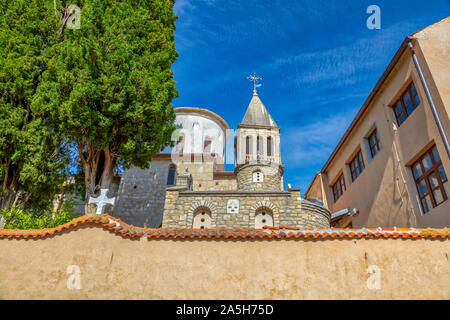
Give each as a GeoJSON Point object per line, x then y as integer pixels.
{"type": "Point", "coordinates": [102, 200]}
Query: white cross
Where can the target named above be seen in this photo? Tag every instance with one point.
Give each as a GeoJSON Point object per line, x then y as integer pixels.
{"type": "Point", "coordinates": [101, 200]}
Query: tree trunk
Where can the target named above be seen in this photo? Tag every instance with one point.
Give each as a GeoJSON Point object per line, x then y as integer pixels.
{"type": "Point", "coordinates": [7, 199]}
{"type": "Point", "coordinates": [108, 170]}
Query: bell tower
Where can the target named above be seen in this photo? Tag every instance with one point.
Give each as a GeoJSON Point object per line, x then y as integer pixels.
{"type": "Point", "coordinates": [258, 147]}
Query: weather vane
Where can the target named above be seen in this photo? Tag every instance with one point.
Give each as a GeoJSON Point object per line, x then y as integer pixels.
{"type": "Point", "coordinates": [254, 79]}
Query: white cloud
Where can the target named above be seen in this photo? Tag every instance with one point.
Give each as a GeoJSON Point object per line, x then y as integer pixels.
{"type": "Point", "coordinates": [312, 144]}
{"type": "Point", "coordinates": [181, 6]}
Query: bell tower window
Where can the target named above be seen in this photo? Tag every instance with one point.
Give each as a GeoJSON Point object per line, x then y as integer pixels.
{"type": "Point", "coordinates": [259, 146]}
{"type": "Point", "coordinates": [248, 145]}
{"type": "Point", "coordinates": [269, 146]}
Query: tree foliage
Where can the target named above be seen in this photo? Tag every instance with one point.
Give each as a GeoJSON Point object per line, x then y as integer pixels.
{"type": "Point", "coordinates": [32, 156]}
{"type": "Point", "coordinates": [108, 86]}
{"type": "Point", "coordinates": [17, 218]}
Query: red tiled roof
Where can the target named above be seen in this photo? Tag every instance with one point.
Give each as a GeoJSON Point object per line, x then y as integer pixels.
{"type": "Point", "coordinates": [269, 233]}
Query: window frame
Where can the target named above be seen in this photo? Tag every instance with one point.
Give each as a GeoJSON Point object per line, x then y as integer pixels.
{"type": "Point", "coordinates": [172, 168]}
{"type": "Point", "coordinates": [248, 145]}
{"type": "Point", "coordinates": [181, 142]}
{"type": "Point", "coordinates": [210, 144]}
{"type": "Point", "coordinates": [400, 100]}
{"type": "Point", "coordinates": [269, 146]}
{"type": "Point", "coordinates": [259, 146]}
{"type": "Point", "coordinates": [338, 187]}
{"type": "Point", "coordinates": [434, 169]}
{"type": "Point", "coordinates": [359, 160]}
{"type": "Point", "coordinates": [374, 134]}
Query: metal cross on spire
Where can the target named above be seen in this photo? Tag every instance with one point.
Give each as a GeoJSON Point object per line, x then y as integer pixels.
{"type": "Point", "coordinates": [254, 79]}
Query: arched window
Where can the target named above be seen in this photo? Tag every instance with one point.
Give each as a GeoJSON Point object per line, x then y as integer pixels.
{"type": "Point", "coordinates": [207, 145]}
{"type": "Point", "coordinates": [258, 176]}
{"type": "Point", "coordinates": [202, 218]}
{"type": "Point", "coordinates": [263, 217]}
{"type": "Point", "coordinates": [171, 175]}
{"type": "Point", "coordinates": [269, 146]}
{"type": "Point", "coordinates": [259, 146]}
{"type": "Point", "coordinates": [248, 145]}
{"type": "Point", "coordinates": [197, 138]}
{"type": "Point", "coordinates": [180, 144]}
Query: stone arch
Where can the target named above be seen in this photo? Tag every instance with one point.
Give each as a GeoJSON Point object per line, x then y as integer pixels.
{"type": "Point", "coordinates": [268, 206]}
{"type": "Point", "coordinates": [198, 205]}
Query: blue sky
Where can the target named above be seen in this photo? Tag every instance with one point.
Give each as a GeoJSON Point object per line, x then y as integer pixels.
{"type": "Point", "coordinates": [318, 61]}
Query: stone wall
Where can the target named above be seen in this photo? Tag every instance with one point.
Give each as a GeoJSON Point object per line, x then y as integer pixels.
{"type": "Point", "coordinates": [141, 195]}
{"type": "Point", "coordinates": [203, 176]}
{"type": "Point", "coordinates": [112, 267]}
{"type": "Point", "coordinates": [271, 180]}
{"type": "Point", "coordinates": [286, 208]}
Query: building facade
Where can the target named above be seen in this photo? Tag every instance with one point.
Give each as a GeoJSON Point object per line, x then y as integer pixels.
{"type": "Point", "coordinates": [187, 187]}
{"type": "Point", "coordinates": [392, 163]}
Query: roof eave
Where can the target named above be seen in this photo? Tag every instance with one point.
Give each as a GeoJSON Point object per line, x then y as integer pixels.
{"type": "Point", "coordinates": [368, 101]}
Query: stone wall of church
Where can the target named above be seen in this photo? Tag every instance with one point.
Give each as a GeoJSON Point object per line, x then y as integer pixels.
{"type": "Point", "coordinates": [203, 176]}
{"type": "Point", "coordinates": [286, 208]}
{"type": "Point", "coordinates": [141, 196]}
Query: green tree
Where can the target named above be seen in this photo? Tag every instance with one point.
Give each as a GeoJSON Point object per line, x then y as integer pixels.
{"type": "Point", "coordinates": [32, 156]}
{"type": "Point", "coordinates": [108, 86]}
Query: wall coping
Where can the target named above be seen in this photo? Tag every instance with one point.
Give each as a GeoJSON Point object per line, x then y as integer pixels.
{"type": "Point", "coordinates": [122, 229]}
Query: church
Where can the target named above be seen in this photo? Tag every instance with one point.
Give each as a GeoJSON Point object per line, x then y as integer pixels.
{"type": "Point", "coordinates": [187, 186]}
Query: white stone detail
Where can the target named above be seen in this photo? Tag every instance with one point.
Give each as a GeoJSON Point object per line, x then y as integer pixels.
{"type": "Point", "coordinates": [258, 176]}
{"type": "Point", "coordinates": [202, 220]}
{"type": "Point", "coordinates": [102, 200]}
{"type": "Point", "coordinates": [233, 206]}
{"type": "Point", "coordinates": [263, 218]}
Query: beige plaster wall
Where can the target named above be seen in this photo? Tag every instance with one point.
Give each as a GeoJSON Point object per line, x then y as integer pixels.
{"type": "Point", "coordinates": [385, 193]}
{"type": "Point", "coordinates": [115, 268]}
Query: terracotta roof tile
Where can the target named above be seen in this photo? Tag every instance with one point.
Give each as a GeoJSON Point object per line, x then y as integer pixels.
{"type": "Point", "coordinates": [268, 233]}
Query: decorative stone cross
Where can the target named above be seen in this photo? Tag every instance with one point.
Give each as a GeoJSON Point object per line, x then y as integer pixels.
{"type": "Point", "coordinates": [102, 200]}
{"type": "Point", "coordinates": [254, 79]}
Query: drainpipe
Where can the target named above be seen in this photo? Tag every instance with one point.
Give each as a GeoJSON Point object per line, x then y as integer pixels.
{"type": "Point", "coordinates": [429, 97]}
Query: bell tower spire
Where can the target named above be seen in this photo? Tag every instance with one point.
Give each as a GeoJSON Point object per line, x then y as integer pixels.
{"type": "Point", "coordinates": [258, 136]}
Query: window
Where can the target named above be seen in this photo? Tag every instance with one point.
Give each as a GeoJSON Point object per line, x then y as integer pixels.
{"type": "Point", "coordinates": [259, 146]}
{"type": "Point", "coordinates": [269, 146]}
{"type": "Point", "coordinates": [171, 175]}
{"type": "Point", "coordinates": [207, 145]}
{"type": "Point", "coordinates": [338, 187]}
{"type": "Point", "coordinates": [356, 166]}
{"type": "Point", "coordinates": [374, 143]}
{"type": "Point", "coordinates": [248, 145]}
{"type": "Point", "coordinates": [431, 181]}
{"type": "Point", "coordinates": [407, 103]}
{"type": "Point", "coordinates": [258, 176]}
{"type": "Point", "coordinates": [180, 145]}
